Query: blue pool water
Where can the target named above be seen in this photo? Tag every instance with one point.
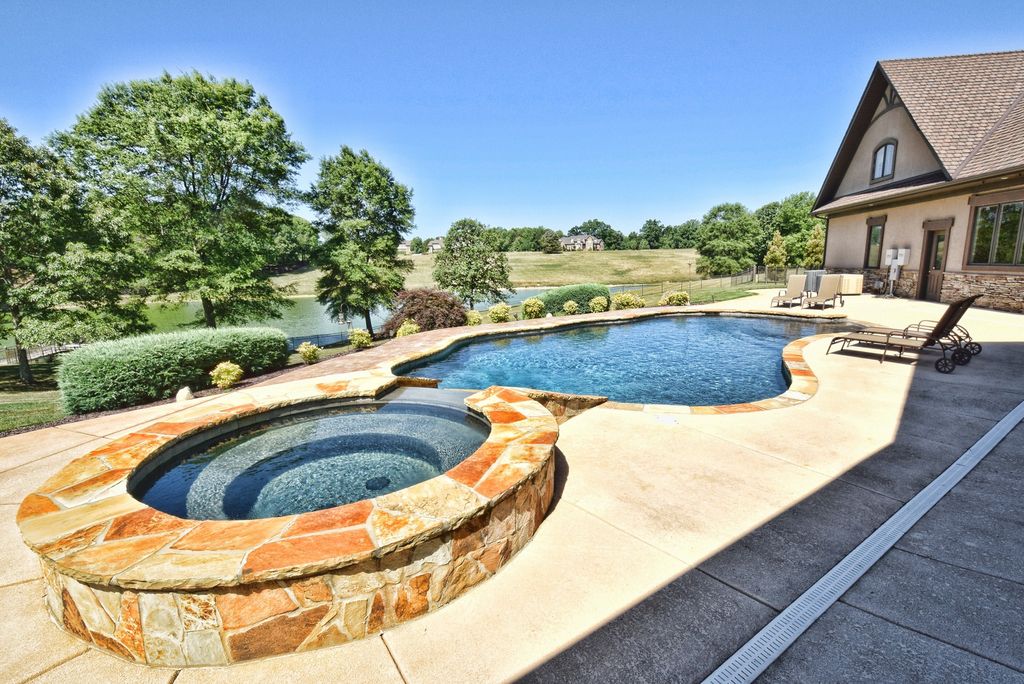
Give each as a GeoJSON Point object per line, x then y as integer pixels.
{"type": "Point", "coordinates": [689, 360]}
{"type": "Point", "coordinates": [313, 461]}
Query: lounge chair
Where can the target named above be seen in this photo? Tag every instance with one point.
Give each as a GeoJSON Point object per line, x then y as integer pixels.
{"type": "Point", "coordinates": [793, 295]}
{"type": "Point", "coordinates": [914, 338]}
{"type": "Point", "coordinates": [957, 333]}
{"type": "Point", "coordinates": [827, 294]}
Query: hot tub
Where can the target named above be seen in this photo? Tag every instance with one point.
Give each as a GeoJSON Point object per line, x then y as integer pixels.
{"type": "Point", "coordinates": [149, 554]}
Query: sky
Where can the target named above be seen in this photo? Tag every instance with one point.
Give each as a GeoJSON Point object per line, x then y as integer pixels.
{"type": "Point", "coordinates": [515, 113]}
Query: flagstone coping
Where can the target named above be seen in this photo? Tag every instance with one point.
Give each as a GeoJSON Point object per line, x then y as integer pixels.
{"type": "Point", "coordinates": [86, 526]}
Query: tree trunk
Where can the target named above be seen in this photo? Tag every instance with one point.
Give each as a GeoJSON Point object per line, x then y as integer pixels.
{"type": "Point", "coordinates": [24, 370]}
{"type": "Point", "coordinates": [369, 325]}
{"type": "Point", "coordinates": [208, 317]}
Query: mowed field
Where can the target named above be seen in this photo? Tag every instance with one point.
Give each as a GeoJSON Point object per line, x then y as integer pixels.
{"type": "Point", "coordinates": [624, 267]}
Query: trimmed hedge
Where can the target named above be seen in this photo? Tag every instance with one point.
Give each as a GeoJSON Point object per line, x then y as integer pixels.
{"type": "Point", "coordinates": [533, 308]}
{"type": "Point", "coordinates": [555, 299]}
{"type": "Point", "coordinates": [598, 304]}
{"type": "Point", "coordinates": [627, 300]}
{"type": "Point", "coordinates": [136, 370]}
{"type": "Point", "coordinates": [675, 299]}
{"type": "Point", "coordinates": [500, 313]}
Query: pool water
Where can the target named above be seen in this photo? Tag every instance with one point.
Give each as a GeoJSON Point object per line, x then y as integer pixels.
{"type": "Point", "coordinates": [687, 360]}
{"type": "Point", "coordinates": [313, 461]}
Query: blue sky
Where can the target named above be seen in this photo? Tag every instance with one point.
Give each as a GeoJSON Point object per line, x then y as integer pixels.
{"type": "Point", "coordinates": [522, 113]}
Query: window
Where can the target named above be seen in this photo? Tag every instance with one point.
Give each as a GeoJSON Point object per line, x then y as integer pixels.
{"type": "Point", "coordinates": [873, 253]}
{"type": "Point", "coordinates": [998, 234]}
{"type": "Point", "coordinates": [884, 162]}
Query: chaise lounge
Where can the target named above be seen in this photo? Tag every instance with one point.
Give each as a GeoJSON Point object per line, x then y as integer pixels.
{"type": "Point", "coordinates": [827, 294]}
{"type": "Point", "coordinates": [793, 295]}
{"type": "Point", "coordinates": [946, 334]}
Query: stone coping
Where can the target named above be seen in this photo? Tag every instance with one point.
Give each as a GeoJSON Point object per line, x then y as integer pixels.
{"type": "Point", "coordinates": [84, 524]}
{"type": "Point", "coordinates": [803, 383]}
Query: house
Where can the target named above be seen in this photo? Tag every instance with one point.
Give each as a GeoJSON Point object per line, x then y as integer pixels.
{"type": "Point", "coordinates": [435, 245]}
{"type": "Point", "coordinates": [405, 247]}
{"type": "Point", "coordinates": [933, 163]}
{"type": "Point", "coordinates": [579, 243]}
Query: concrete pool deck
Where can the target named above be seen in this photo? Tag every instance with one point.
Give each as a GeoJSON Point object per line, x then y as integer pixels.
{"type": "Point", "coordinates": [706, 526]}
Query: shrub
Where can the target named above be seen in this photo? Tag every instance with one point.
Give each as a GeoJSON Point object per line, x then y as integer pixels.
{"type": "Point", "coordinates": [308, 352]}
{"type": "Point", "coordinates": [429, 309]}
{"type": "Point", "coordinates": [360, 339]}
{"type": "Point", "coordinates": [500, 313]}
{"type": "Point", "coordinates": [555, 298]}
{"type": "Point", "coordinates": [533, 308]}
{"type": "Point", "coordinates": [408, 327]}
{"type": "Point", "coordinates": [627, 300]}
{"type": "Point", "coordinates": [225, 374]}
{"type": "Point", "coordinates": [570, 307]}
{"type": "Point", "coordinates": [675, 299]}
{"type": "Point", "coordinates": [598, 304]}
{"type": "Point", "coordinates": [473, 317]}
{"type": "Point", "coordinates": [135, 370]}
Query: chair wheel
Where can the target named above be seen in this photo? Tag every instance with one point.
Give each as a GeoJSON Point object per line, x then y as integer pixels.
{"type": "Point", "coordinates": [945, 365]}
{"type": "Point", "coordinates": [961, 357]}
{"type": "Point", "coordinates": [973, 347]}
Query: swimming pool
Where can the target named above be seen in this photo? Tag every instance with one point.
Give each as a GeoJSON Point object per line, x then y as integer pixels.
{"type": "Point", "coordinates": [687, 360]}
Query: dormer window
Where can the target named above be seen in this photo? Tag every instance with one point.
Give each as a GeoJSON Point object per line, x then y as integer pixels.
{"type": "Point", "coordinates": [885, 161]}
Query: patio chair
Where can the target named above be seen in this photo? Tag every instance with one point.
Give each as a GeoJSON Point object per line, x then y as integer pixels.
{"type": "Point", "coordinates": [941, 335]}
{"type": "Point", "coordinates": [827, 294]}
{"type": "Point", "coordinates": [958, 332]}
{"type": "Point", "coordinates": [793, 295]}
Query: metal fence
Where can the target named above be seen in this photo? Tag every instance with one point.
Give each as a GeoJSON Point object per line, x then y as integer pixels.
{"type": "Point", "coordinates": [10, 357]}
{"type": "Point", "coordinates": [707, 288]}
{"type": "Point", "coordinates": [326, 340]}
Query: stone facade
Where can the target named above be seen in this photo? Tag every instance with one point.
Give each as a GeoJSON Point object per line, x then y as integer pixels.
{"type": "Point", "coordinates": [1001, 291]}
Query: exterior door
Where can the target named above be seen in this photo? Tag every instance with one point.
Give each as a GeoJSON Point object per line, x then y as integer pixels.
{"type": "Point", "coordinates": [934, 264]}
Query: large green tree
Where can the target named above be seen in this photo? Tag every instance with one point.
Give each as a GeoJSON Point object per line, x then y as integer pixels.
{"type": "Point", "coordinates": [792, 218]}
{"type": "Point", "coordinates": [192, 166]}
{"type": "Point", "coordinates": [471, 265]}
{"type": "Point", "coordinates": [613, 239]}
{"type": "Point", "coordinates": [294, 242]}
{"type": "Point", "coordinates": [63, 275]}
{"type": "Point", "coordinates": [726, 240]}
{"type": "Point", "coordinates": [364, 213]}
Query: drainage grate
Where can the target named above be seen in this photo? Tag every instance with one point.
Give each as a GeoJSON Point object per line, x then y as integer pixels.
{"type": "Point", "coordinates": [756, 655]}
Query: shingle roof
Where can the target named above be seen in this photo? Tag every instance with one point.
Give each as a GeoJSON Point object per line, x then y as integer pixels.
{"type": "Point", "coordinates": [968, 107]}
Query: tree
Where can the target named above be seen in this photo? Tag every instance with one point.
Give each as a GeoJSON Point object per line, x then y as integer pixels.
{"type": "Point", "coordinates": [62, 276]}
{"type": "Point", "coordinates": [549, 242]}
{"type": "Point", "coordinates": [726, 240]}
{"type": "Point", "coordinates": [613, 239]}
{"type": "Point", "coordinates": [470, 266]}
{"type": "Point", "coordinates": [364, 214]}
{"type": "Point", "coordinates": [652, 233]}
{"type": "Point", "coordinates": [187, 164]}
{"type": "Point", "coordinates": [294, 243]}
{"type": "Point", "coordinates": [792, 217]}
{"type": "Point", "coordinates": [814, 250]}
{"type": "Point", "coordinates": [417, 246]}
{"type": "Point", "coordinates": [683, 236]}
{"type": "Point", "coordinates": [775, 257]}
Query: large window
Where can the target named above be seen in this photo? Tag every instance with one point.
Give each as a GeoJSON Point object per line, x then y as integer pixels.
{"type": "Point", "coordinates": [884, 164]}
{"type": "Point", "coordinates": [998, 234]}
{"type": "Point", "coordinates": [873, 253]}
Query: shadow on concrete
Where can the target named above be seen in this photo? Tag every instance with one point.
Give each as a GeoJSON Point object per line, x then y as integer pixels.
{"type": "Point", "coordinates": [946, 604]}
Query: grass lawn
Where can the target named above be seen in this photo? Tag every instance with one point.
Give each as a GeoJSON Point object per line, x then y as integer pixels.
{"type": "Point", "coordinates": [567, 268]}
{"type": "Point", "coordinates": [20, 405]}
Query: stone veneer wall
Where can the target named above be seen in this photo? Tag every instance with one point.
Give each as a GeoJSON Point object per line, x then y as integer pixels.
{"type": "Point", "coordinates": [1001, 291]}
{"type": "Point", "coordinates": [233, 624]}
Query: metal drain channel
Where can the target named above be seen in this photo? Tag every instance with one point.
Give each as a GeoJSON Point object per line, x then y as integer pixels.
{"type": "Point", "coordinates": [756, 655]}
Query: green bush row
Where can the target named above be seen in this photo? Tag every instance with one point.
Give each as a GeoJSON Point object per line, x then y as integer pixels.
{"type": "Point", "coordinates": [555, 299]}
{"type": "Point", "coordinates": [135, 370]}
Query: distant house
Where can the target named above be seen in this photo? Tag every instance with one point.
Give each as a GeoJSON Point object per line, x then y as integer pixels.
{"type": "Point", "coordinates": [581, 243]}
{"type": "Point", "coordinates": [435, 245]}
{"type": "Point", "coordinates": [405, 247]}
{"type": "Point", "coordinates": [933, 163]}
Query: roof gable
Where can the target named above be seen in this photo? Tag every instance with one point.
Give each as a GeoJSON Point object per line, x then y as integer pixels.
{"type": "Point", "coordinates": [969, 110]}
